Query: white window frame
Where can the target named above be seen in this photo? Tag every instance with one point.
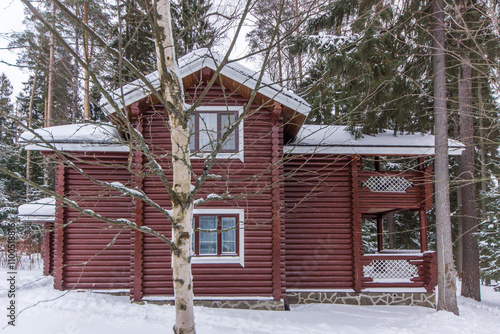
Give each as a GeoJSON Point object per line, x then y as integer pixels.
{"type": "Point", "coordinates": [240, 154]}
{"type": "Point", "coordinates": [240, 258]}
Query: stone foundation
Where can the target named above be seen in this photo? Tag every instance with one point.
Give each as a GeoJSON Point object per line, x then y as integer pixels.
{"type": "Point", "coordinates": [267, 305]}
{"type": "Point", "coordinates": [364, 298]}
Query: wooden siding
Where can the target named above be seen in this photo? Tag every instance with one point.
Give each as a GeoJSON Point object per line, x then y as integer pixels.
{"type": "Point", "coordinates": [318, 227]}
{"type": "Point", "coordinates": [253, 176]}
{"type": "Point", "coordinates": [95, 254]}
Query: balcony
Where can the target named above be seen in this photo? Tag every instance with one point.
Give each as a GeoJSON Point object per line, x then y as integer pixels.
{"type": "Point", "coordinates": [403, 269]}
{"type": "Point", "coordinates": [381, 192]}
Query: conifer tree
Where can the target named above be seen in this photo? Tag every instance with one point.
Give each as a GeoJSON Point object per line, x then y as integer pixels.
{"type": "Point", "coordinates": [11, 190]}
{"type": "Point", "coordinates": [371, 68]}
{"type": "Point", "coordinates": [192, 28]}
{"type": "Point", "coordinates": [286, 15]}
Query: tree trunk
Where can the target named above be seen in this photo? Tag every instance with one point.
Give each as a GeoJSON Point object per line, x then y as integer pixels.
{"type": "Point", "coordinates": [86, 79]}
{"type": "Point", "coordinates": [182, 208]}
{"type": "Point", "coordinates": [470, 249]}
{"type": "Point", "coordinates": [50, 90]}
{"type": "Point", "coordinates": [447, 297]}
{"type": "Point", "coordinates": [30, 119]}
{"type": "Point", "coordinates": [460, 244]}
{"type": "Point", "coordinates": [482, 148]}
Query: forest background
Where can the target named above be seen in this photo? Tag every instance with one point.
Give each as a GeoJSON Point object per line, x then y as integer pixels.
{"type": "Point", "coordinates": [363, 64]}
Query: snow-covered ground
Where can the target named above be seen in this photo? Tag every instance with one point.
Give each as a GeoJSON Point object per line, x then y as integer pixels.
{"type": "Point", "coordinates": [41, 309]}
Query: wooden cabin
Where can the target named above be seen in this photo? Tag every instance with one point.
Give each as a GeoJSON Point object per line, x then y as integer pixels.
{"type": "Point", "coordinates": [289, 229]}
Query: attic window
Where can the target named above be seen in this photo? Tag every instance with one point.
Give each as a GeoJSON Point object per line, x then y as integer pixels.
{"type": "Point", "coordinates": [208, 125]}
{"type": "Point", "coordinates": [208, 128]}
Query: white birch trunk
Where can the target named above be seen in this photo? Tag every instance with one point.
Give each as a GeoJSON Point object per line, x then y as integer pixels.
{"type": "Point", "coordinates": [182, 208]}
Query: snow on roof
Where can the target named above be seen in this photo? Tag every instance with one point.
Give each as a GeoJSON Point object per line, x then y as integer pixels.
{"type": "Point", "coordinates": [199, 59]}
{"type": "Point", "coordinates": [75, 137]}
{"type": "Point", "coordinates": [42, 210]}
{"type": "Point", "coordinates": [335, 139]}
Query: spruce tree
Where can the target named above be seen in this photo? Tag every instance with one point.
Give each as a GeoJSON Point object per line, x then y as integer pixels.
{"type": "Point", "coordinates": [11, 190]}
{"type": "Point", "coordinates": [371, 68]}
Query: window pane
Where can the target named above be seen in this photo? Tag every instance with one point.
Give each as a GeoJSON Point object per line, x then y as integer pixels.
{"type": "Point", "coordinates": [208, 240]}
{"type": "Point", "coordinates": [229, 237]}
{"type": "Point", "coordinates": [227, 120]}
{"type": "Point", "coordinates": [208, 131]}
{"type": "Point", "coordinates": [192, 135]}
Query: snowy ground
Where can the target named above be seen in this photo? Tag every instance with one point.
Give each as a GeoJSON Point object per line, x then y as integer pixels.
{"type": "Point", "coordinates": [45, 310]}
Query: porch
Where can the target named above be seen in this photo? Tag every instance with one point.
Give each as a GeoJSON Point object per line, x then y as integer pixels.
{"type": "Point", "coordinates": [381, 194]}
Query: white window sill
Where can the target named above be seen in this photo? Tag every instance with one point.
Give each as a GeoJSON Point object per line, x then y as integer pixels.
{"type": "Point", "coordinates": [217, 259]}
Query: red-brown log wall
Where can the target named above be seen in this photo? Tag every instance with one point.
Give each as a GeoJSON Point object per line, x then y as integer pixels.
{"type": "Point", "coordinates": [95, 254]}
{"type": "Point", "coordinates": [318, 228]}
{"type": "Point", "coordinates": [252, 175]}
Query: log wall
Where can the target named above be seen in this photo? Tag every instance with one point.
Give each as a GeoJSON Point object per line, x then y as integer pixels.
{"type": "Point", "coordinates": [318, 228]}
{"type": "Point", "coordinates": [253, 176]}
{"type": "Point", "coordinates": [94, 255]}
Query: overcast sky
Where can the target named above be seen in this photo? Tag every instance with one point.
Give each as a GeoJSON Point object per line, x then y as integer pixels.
{"type": "Point", "coordinates": [11, 17]}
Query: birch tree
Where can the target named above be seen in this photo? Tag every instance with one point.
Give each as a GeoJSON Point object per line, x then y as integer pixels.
{"type": "Point", "coordinates": [182, 206]}
{"type": "Point", "coordinates": [181, 192]}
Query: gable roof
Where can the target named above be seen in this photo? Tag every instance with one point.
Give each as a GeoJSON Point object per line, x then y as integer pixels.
{"type": "Point", "coordinates": [335, 139]}
{"type": "Point", "coordinates": [200, 59]}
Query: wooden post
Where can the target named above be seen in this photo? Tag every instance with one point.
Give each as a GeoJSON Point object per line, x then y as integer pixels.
{"type": "Point", "coordinates": [422, 218]}
{"type": "Point", "coordinates": [47, 244]}
{"type": "Point", "coordinates": [276, 200]}
{"type": "Point", "coordinates": [380, 233]}
{"type": "Point", "coordinates": [356, 225]}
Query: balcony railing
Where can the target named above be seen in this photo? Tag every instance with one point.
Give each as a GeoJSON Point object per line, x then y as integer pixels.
{"type": "Point", "coordinates": [400, 270]}
{"type": "Point", "coordinates": [385, 191]}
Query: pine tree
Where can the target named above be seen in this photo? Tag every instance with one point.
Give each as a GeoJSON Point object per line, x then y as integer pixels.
{"type": "Point", "coordinates": [283, 64]}
{"type": "Point", "coordinates": [447, 299]}
{"type": "Point", "coordinates": [34, 44]}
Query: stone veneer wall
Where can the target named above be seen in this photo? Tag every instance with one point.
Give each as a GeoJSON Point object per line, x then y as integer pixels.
{"type": "Point", "coordinates": [268, 305]}
{"type": "Point", "coordinates": [364, 298]}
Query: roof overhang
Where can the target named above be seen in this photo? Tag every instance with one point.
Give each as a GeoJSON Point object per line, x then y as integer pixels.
{"type": "Point", "coordinates": [39, 211]}
{"type": "Point", "coordinates": [83, 137]}
{"type": "Point", "coordinates": [332, 139]}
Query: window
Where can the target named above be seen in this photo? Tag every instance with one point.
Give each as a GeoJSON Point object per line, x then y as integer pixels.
{"type": "Point", "coordinates": [207, 127]}
{"type": "Point", "coordinates": [216, 235]}
{"type": "Point", "coordinates": [220, 236]}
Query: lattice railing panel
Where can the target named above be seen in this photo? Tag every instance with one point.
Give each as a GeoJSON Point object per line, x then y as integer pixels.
{"type": "Point", "coordinates": [387, 184]}
{"type": "Point", "coordinates": [391, 269]}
